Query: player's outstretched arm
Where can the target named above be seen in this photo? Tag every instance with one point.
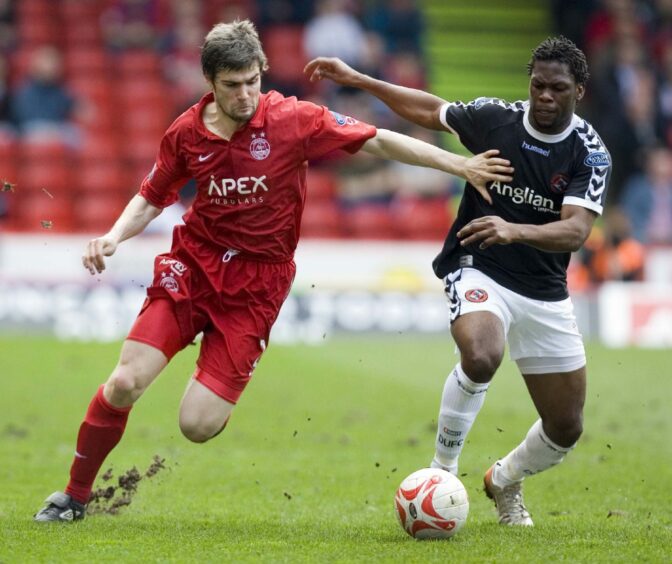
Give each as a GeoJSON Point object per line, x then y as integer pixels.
{"type": "Point", "coordinates": [414, 105]}
{"type": "Point", "coordinates": [477, 170]}
{"type": "Point", "coordinates": [136, 216]}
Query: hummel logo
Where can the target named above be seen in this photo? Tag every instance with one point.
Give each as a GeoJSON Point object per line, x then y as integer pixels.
{"type": "Point", "coordinates": [202, 158]}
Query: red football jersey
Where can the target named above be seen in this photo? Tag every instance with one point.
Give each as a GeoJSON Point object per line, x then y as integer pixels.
{"type": "Point", "coordinates": [251, 189]}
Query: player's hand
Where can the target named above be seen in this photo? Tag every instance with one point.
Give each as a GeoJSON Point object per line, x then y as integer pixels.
{"type": "Point", "coordinates": [331, 68]}
{"type": "Point", "coordinates": [96, 249]}
{"type": "Point", "coordinates": [487, 167]}
{"type": "Point", "coordinates": [487, 231]}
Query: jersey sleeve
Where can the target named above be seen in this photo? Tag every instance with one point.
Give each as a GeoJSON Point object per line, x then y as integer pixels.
{"type": "Point", "coordinates": [161, 186]}
{"type": "Point", "coordinates": [471, 122]}
{"type": "Point", "coordinates": [324, 131]}
{"type": "Point", "coordinates": [588, 186]}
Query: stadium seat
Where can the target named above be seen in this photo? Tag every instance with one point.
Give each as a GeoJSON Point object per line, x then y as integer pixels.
{"type": "Point", "coordinates": [284, 46]}
{"type": "Point", "coordinates": [84, 11]}
{"type": "Point", "coordinates": [53, 176]}
{"type": "Point", "coordinates": [89, 63]}
{"type": "Point", "coordinates": [138, 62]}
{"type": "Point", "coordinates": [422, 219]}
{"type": "Point", "coordinates": [370, 221]}
{"type": "Point", "coordinates": [8, 156]}
{"type": "Point", "coordinates": [98, 148]}
{"type": "Point", "coordinates": [37, 211]}
{"type": "Point", "coordinates": [38, 31]}
{"type": "Point", "coordinates": [101, 177]}
{"type": "Point", "coordinates": [97, 212]}
{"type": "Point", "coordinates": [321, 184]}
{"type": "Point", "coordinates": [43, 148]}
{"type": "Point", "coordinates": [322, 219]}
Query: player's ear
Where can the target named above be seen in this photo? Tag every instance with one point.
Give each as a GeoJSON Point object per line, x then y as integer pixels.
{"type": "Point", "coordinates": [580, 91]}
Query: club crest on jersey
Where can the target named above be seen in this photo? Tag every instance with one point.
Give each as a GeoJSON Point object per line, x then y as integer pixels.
{"type": "Point", "coordinates": [169, 283]}
{"type": "Point", "coordinates": [260, 148]}
{"type": "Point", "coordinates": [559, 183]}
{"type": "Point", "coordinates": [476, 295]}
{"type": "Point", "coordinates": [597, 159]}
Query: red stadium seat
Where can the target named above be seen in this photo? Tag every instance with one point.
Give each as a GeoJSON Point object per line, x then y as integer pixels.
{"type": "Point", "coordinates": [85, 61]}
{"type": "Point", "coordinates": [102, 177]}
{"type": "Point", "coordinates": [38, 31]}
{"type": "Point", "coordinates": [322, 219]}
{"type": "Point", "coordinates": [321, 184]}
{"type": "Point", "coordinates": [8, 156]}
{"type": "Point", "coordinates": [370, 221]}
{"type": "Point", "coordinates": [54, 177]}
{"type": "Point", "coordinates": [139, 63]}
{"type": "Point", "coordinates": [284, 47]}
{"type": "Point", "coordinates": [85, 11]}
{"type": "Point", "coordinates": [40, 149]}
{"type": "Point", "coordinates": [37, 211]}
{"type": "Point", "coordinates": [97, 212]}
{"type": "Point", "coordinates": [421, 219]}
{"type": "Point", "coordinates": [100, 148]}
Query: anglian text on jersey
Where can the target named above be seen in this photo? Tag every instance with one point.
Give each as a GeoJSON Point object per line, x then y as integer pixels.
{"type": "Point", "coordinates": [524, 196]}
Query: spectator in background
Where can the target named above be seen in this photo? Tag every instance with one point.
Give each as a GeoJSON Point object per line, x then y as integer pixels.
{"type": "Point", "coordinates": [7, 19]}
{"type": "Point", "coordinates": [617, 255]}
{"type": "Point", "coordinates": [400, 24]}
{"type": "Point", "coordinates": [335, 32]}
{"type": "Point", "coordinates": [664, 94]}
{"type": "Point", "coordinates": [129, 24]}
{"type": "Point", "coordinates": [181, 63]}
{"type": "Point", "coordinates": [4, 94]}
{"type": "Point", "coordinates": [647, 199]}
{"type": "Point", "coordinates": [624, 106]}
{"type": "Point", "coordinates": [43, 104]}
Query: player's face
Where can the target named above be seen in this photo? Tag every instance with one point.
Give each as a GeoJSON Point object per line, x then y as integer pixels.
{"type": "Point", "coordinates": [553, 96]}
{"type": "Point", "coordinates": [237, 93]}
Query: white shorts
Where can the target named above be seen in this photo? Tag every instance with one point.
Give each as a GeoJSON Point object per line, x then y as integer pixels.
{"type": "Point", "coordinates": [543, 336]}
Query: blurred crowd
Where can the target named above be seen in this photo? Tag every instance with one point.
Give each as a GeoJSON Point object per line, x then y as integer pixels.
{"type": "Point", "coordinates": [87, 87]}
{"type": "Point", "coordinates": [629, 101]}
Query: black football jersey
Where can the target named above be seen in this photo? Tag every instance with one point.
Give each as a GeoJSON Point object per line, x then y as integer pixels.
{"type": "Point", "coordinates": [568, 168]}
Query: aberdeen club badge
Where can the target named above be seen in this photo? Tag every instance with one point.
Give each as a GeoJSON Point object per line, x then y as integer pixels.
{"type": "Point", "coordinates": [260, 148]}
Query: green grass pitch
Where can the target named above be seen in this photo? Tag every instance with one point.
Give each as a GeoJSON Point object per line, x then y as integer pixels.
{"type": "Point", "coordinates": [307, 469]}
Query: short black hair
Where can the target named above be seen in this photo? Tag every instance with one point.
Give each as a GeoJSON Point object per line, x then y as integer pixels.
{"type": "Point", "coordinates": [562, 50]}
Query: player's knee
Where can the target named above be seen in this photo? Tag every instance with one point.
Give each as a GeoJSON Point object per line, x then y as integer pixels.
{"type": "Point", "coordinates": [565, 431]}
{"type": "Point", "coordinates": [480, 364]}
{"type": "Point", "coordinates": [199, 431]}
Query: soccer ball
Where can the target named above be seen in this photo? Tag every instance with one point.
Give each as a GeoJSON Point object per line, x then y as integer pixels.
{"type": "Point", "coordinates": [431, 504]}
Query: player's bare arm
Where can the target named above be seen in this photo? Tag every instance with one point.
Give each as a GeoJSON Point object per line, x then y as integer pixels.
{"type": "Point", "coordinates": [414, 105]}
{"type": "Point", "coordinates": [565, 235]}
{"type": "Point", "coordinates": [478, 170]}
{"type": "Point", "coordinates": [133, 220]}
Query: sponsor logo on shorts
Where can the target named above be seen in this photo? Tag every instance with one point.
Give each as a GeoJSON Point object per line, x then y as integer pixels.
{"type": "Point", "coordinates": [260, 148]}
{"type": "Point", "coordinates": [169, 283]}
{"type": "Point", "coordinates": [476, 295]}
{"type": "Point", "coordinates": [175, 265]}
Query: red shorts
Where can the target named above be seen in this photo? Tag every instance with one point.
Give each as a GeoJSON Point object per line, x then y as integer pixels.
{"type": "Point", "coordinates": [234, 304]}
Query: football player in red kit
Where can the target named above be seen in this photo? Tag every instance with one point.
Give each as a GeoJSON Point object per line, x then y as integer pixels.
{"type": "Point", "coordinates": [231, 264]}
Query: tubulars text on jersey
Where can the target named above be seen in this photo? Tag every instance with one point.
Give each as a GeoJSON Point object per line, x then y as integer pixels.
{"type": "Point", "coordinates": [524, 196]}
{"type": "Point", "coordinates": [244, 186]}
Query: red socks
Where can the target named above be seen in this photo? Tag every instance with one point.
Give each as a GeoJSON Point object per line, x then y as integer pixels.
{"type": "Point", "coordinates": [99, 433]}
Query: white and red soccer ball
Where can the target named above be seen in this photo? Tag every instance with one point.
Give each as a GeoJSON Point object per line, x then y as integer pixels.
{"type": "Point", "coordinates": [431, 504]}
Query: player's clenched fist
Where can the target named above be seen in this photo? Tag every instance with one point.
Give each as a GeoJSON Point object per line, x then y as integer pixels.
{"type": "Point", "coordinates": [95, 250]}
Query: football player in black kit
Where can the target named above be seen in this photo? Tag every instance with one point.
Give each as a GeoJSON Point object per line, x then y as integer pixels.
{"type": "Point", "coordinates": [505, 258]}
